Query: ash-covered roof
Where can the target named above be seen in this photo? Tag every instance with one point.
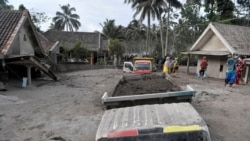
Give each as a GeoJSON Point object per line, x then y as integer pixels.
{"type": "Point", "coordinates": [11, 22]}
{"type": "Point", "coordinates": [8, 22]}
{"type": "Point", "coordinates": [90, 40]}
{"type": "Point", "coordinates": [235, 38]}
{"type": "Point", "coordinates": [238, 37]}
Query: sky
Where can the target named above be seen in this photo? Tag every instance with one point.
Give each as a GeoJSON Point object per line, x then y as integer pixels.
{"type": "Point", "coordinates": [92, 12]}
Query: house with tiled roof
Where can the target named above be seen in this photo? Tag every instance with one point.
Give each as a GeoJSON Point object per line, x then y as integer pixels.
{"type": "Point", "coordinates": [217, 42]}
{"type": "Point", "coordinates": [92, 41]}
{"type": "Point", "coordinates": [21, 51]}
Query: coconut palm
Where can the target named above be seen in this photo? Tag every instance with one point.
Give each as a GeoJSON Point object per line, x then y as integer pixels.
{"type": "Point", "coordinates": [171, 3]}
{"type": "Point", "coordinates": [135, 35]}
{"type": "Point", "coordinates": [160, 6]}
{"type": "Point", "coordinates": [110, 30]}
{"type": "Point", "coordinates": [144, 8]}
{"type": "Point", "coordinates": [151, 9]}
{"type": "Point", "coordinates": [66, 20]}
{"type": "Point", "coordinates": [135, 30]}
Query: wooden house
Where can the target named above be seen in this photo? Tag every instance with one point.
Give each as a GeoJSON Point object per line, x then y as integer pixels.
{"type": "Point", "coordinates": [21, 52]}
{"type": "Point", "coordinates": [92, 41]}
{"type": "Point", "coordinates": [217, 42]}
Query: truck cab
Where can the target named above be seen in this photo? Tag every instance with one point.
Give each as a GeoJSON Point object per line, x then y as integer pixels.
{"type": "Point", "coordinates": [157, 122]}
{"type": "Point", "coordinates": [139, 66]}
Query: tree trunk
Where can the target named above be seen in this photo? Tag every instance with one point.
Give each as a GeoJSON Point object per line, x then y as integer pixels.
{"type": "Point", "coordinates": [162, 44]}
{"type": "Point", "coordinates": [166, 48]}
{"type": "Point", "coordinates": [148, 35]}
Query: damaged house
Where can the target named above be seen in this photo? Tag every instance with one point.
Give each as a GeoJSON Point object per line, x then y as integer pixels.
{"type": "Point", "coordinates": [21, 53]}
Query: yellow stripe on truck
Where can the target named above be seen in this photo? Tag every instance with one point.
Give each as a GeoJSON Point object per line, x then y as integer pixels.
{"type": "Point", "coordinates": [171, 129]}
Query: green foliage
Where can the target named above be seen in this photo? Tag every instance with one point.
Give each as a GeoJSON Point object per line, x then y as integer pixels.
{"type": "Point", "coordinates": [100, 62]}
{"type": "Point", "coordinates": [225, 9]}
{"type": "Point", "coordinates": [110, 30]}
{"type": "Point", "coordinates": [22, 7]}
{"type": "Point", "coordinates": [79, 51]}
{"type": "Point", "coordinates": [4, 5]}
{"type": "Point", "coordinates": [157, 51]}
{"type": "Point", "coordinates": [116, 47]}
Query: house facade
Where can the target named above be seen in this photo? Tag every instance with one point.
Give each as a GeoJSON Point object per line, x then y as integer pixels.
{"type": "Point", "coordinates": [217, 42]}
{"type": "Point", "coordinates": [92, 41]}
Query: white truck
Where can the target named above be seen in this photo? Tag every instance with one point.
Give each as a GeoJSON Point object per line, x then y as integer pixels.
{"type": "Point", "coordinates": [159, 122]}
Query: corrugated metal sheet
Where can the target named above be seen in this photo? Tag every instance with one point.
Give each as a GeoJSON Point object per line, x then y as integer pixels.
{"type": "Point", "coordinates": [148, 116]}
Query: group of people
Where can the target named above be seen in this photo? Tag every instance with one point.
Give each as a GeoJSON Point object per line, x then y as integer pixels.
{"type": "Point", "coordinates": [171, 65]}
{"type": "Point", "coordinates": [235, 67]}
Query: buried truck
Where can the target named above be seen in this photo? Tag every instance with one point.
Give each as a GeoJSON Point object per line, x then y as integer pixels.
{"type": "Point", "coordinates": [138, 116]}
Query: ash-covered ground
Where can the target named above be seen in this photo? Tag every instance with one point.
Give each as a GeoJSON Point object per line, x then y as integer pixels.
{"type": "Point", "coordinates": [144, 84]}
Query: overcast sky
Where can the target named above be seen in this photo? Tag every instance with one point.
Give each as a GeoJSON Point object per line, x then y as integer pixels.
{"type": "Point", "coordinates": [91, 12]}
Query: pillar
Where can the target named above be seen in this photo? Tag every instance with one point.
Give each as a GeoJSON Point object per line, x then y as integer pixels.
{"type": "Point", "coordinates": [91, 58]}
{"type": "Point", "coordinates": [188, 60]}
{"type": "Point", "coordinates": [246, 74]}
{"type": "Point", "coordinates": [29, 74]}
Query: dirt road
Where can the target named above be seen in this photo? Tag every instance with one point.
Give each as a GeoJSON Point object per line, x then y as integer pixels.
{"type": "Point", "coordinates": [70, 109]}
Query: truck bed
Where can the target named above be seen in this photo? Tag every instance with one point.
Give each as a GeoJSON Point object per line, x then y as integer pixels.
{"type": "Point", "coordinates": [158, 89]}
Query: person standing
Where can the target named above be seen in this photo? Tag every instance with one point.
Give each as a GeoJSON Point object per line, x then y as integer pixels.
{"type": "Point", "coordinates": [176, 65]}
{"type": "Point", "coordinates": [166, 68]}
{"type": "Point", "coordinates": [203, 67]}
{"type": "Point", "coordinates": [239, 68]}
{"type": "Point", "coordinates": [230, 72]}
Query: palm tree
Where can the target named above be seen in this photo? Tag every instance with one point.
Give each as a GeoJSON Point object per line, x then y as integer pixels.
{"type": "Point", "coordinates": [159, 7]}
{"type": "Point", "coordinates": [135, 30]}
{"type": "Point", "coordinates": [144, 8]}
{"type": "Point", "coordinates": [152, 8]}
{"type": "Point", "coordinates": [111, 31]}
{"type": "Point", "coordinates": [176, 4]}
{"type": "Point", "coordinates": [66, 20]}
{"type": "Point", "coordinates": [135, 34]}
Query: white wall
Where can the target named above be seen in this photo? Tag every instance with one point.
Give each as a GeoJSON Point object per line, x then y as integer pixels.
{"type": "Point", "coordinates": [214, 65]}
{"type": "Point", "coordinates": [214, 44]}
{"type": "Point", "coordinates": [25, 45]}
{"type": "Point", "coordinates": [21, 46]}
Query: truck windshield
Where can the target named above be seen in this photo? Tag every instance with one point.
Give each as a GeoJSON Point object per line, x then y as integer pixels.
{"type": "Point", "coordinates": [183, 136]}
{"type": "Point", "coordinates": [142, 66]}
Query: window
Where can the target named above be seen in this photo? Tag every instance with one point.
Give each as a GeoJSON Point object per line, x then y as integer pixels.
{"type": "Point", "coordinates": [221, 68]}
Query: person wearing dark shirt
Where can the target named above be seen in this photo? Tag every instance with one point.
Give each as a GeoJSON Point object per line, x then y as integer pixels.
{"type": "Point", "coordinates": [203, 67]}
